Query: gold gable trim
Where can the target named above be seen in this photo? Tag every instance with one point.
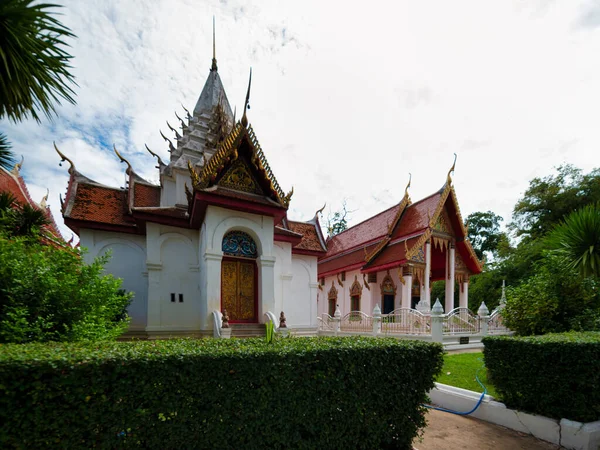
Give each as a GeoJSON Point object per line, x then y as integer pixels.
{"type": "Point", "coordinates": [238, 177]}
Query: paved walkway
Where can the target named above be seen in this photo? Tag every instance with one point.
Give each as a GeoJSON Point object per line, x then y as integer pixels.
{"type": "Point", "coordinates": [451, 432]}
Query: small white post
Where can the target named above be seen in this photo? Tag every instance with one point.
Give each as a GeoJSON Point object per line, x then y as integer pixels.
{"type": "Point", "coordinates": [337, 317]}
{"type": "Point", "coordinates": [376, 320]}
{"type": "Point", "coordinates": [484, 315]}
{"type": "Point", "coordinates": [437, 322]}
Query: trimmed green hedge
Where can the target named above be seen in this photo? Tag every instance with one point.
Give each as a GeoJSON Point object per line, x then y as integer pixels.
{"type": "Point", "coordinates": [554, 375]}
{"type": "Point", "coordinates": [241, 394]}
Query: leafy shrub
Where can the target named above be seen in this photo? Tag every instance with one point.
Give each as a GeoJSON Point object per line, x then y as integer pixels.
{"type": "Point", "coordinates": [555, 375]}
{"type": "Point", "coordinates": [50, 294]}
{"type": "Point", "coordinates": [556, 299]}
{"type": "Point", "coordinates": [293, 393]}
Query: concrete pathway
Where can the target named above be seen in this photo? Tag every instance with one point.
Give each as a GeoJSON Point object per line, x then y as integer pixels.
{"type": "Point", "coordinates": [451, 432]}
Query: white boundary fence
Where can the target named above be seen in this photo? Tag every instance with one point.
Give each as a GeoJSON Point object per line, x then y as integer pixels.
{"type": "Point", "coordinates": [458, 325]}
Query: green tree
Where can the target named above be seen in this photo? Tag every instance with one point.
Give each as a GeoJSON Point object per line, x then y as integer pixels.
{"type": "Point", "coordinates": [20, 220]}
{"type": "Point", "coordinates": [338, 221]}
{"type": "Point", "coordinates": [35, 74]}
{"type": "Point", "coordinates": [577, 240]}
{"type": "Point", "coordinates": [484, 232]}
{"type": "Point", "coordinates": [550, 199]}
{"type": "Point", "coordinates": [50, 294]}
{"type": "Point", "coordinates": [554, 299]}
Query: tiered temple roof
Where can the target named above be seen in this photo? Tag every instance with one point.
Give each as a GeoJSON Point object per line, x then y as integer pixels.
{"type": "Point", "coordinates": [396, 237]}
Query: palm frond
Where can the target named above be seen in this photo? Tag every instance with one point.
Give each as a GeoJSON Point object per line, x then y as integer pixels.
{"type": "Point", "coordinates": [34, 65]}
{"type": "Point", "coordinates": [7, 157]}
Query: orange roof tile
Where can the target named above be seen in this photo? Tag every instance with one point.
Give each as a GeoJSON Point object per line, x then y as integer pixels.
{"type": "Point", "coordinates": [310, 236]}
{"type": "Point", "coordinates": [100, 204]}
{"type": "Point", "coordinates": [146, 195]}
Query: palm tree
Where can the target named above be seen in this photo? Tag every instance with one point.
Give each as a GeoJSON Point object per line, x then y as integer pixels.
{"type": "Point", "coordinates": [34, 67]}
{"type": "Point", "coordinates": [28, 221]}
{"type": "Point", "coordinates": [34, 70]}
{"type": "Point", "coordinates": [577, 239]}
{"type": "Point", "coordinates": [6, 156]}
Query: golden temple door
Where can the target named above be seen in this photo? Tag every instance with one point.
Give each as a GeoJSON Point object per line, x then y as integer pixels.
{"type": "Point", "coordinates": [238, 290]}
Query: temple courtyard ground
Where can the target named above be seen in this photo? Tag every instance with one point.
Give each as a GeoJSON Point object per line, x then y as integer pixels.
{"type": "Point", "coordinates": [451, 432]}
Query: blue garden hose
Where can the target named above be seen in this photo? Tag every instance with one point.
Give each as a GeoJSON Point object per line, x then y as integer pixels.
{"type": "Point", "coordinates": [458, 413]}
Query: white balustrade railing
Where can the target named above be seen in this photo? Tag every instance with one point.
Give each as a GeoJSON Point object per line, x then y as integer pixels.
{"type": "Point", "coordinates": [460, 320]}
{"type": "Point", "coordinates": [406, 321]}
{"type": "Point", "coordinates": [271, 318]}
{"type": "Point", "coordinates": [325, 322]}
{"type": "Point", "coordinates": [357, 321]}
{"type": "Point", "coordinates": [496, 323]}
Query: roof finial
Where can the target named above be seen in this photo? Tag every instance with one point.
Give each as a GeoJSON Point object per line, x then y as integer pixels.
{"type": "Point", "coordinates": [160, 162]}
{"type": "Point", "coordinates": [408, 185]}
{"type": "Point", "coordinates": [320, 211]}
{"type": "Point", "coordinates": [234, 113]}
{"type": "Point", "coordinates": [64, 158]}
{"type": "Point", "coordinates": [128, 171]}
{"type": "Point", "coordinates": [17, 168]}
{"type": "Point", "coordinates": [246, 105]}
{"type": "Point", "coordinates": [45, 199]}
{"type": "Point", "coordinates": [449, 179]}
{"type": "Point", "coordinates": [214, 60]}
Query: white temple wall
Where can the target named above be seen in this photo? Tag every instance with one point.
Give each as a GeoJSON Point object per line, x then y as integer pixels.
{"type": "Point", "coordinates": [127, 261]}
{"type": "Point", "coordinates": [218, 222]}
{"type": "Point", "coordinates": [168, 193]}
{"type": "Point", "coordinates": [300, 306]}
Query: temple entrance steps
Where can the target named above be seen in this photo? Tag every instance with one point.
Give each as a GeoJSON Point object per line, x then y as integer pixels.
{"type": "Point", "coordinates": [247, 330]}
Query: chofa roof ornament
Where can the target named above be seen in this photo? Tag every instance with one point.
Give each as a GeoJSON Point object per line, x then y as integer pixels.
{"type": "Point", "coordinates": [246, 103]}
{"type": "Point", "coordinates": [451, 171]}
{"type": "Point", "coordinates": [123, 160]}
{"type": "Point", "coordinates": [64, 158]}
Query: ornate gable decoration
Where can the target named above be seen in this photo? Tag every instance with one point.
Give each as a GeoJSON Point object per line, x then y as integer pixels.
{"type": "Point", "coordinates": [332, 295]}
{"type": "Point", "coordinates": [227, 154]}
{"type": "Point", "coordinates": [442, 224]}
{"type": "Point", "coordinates": [238, 177]}
{"type": "Point", "coordinates": [356, 288]}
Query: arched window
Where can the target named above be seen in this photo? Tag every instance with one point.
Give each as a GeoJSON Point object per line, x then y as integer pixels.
{"type": "Point", "coordinates": [388, 294]}
{"type": "Point", "coordinates": [355, 294]}
{"type": "Point", "coordinates": [238, 243]}
{"type": "Point", "coordinates": [332, 298]}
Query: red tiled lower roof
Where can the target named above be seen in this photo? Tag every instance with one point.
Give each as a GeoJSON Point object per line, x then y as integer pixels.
{"type": "Point", "coordinates": [100, 204]}
{"type": "Point", "coordinates": [145, 195]}
{"type": "Point", "coordinates": [393, 253]}
{"type": "Point", "coordinates": [170, 211]}
{"type": "Point", "coordinates": [417, 216]}
{"type": "Point", "coordinates": [310, 238]}
{"type": "Point", "coordinates": [343, 262]}
{"type": "Point", "coordinates": [373, 228]}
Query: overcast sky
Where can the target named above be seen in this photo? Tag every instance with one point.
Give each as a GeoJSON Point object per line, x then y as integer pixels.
{"type": "Point", "coordinates": [347, 98]}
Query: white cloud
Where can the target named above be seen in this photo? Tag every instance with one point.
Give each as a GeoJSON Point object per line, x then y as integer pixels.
{"type": "Point", "coordinates": [346, 99]}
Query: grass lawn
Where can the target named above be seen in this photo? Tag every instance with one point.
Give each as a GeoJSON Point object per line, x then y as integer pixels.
{"type": "Point", "coordinates": [460, 369]}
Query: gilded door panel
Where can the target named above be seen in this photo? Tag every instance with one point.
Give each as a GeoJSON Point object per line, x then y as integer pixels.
{"type": "Point", "coordinates": [229, 287]}
{"type": "Point", "coordinates": [246, 290]}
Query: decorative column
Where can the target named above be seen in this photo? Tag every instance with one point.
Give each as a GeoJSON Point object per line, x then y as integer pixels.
{"type": "Point", "coordinates": [427, 272]}
{"type": "Point", "coordinates": [484, 316]}
{"type": "Point", "coordinates": [437, 322]}
{"type": "Point", "coordinates": [376, 320]}
{"type": "Point", "coordinates": [153, 311]}
{"type": "Point", "coordinates": [266, 285]}
{"type": "Point", "coordinates": [450, 279]}
{"type": "Point", "coordinates": [464, 293]}
{"type": "Point", "coordinates": [210, 287]}
{"type": "Point", "coordinates": [407, 286]}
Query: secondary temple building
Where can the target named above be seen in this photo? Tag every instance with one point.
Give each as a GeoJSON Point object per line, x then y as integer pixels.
{"type": "Point", "coordinates": [215, 236]}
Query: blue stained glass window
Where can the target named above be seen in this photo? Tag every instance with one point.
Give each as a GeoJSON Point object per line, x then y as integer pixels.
{"type": "Point", "coordinates": [238, 243]}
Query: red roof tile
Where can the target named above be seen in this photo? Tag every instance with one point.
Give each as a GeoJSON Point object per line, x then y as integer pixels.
{"type": "Point", "coordinates": [417, 216]}
{"type": "Point", "coordinates": [168, 211]}
{"type": "Point", "coordinates": [354, 258]}
{"type": "Point", "coordinates": [393, 253]}
{"type": "Point", "coordinates": [373, 228]}
{"type": "Point", "coordinates": [100, 204]}
{"type": "Point", "coordinates": [145, 195]}
{"type": "Point", "coordinates": [310, 237]}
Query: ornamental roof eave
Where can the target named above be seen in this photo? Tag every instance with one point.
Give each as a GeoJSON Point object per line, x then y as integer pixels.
{"type": "Point", "coordinates": [227, 153]}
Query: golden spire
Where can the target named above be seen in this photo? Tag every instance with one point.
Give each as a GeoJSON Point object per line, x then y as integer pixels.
{"type": "Point", "coordinates": [408, 185]}
{"type": "Point", "coordinates": [45, 199]}
{"type": "Point", "coordinates": [449, 179]}
{"type": "Point", "coordinates": [214, 59]}
{"type": "Point", "coordinates": [129, 170]}
{"type": "Point", "coordinates": [155, 155]}
{"type": "Point", "coordinates": [246, 105]}
{"type": "Point", "coordinates": [17, 168]}
{"type": "Point", "coordinates": [64, 158]}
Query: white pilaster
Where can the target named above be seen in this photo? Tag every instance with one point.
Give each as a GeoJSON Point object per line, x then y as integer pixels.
{"type": "Point", "coordinates": [210, 289]}
{"type": "Point", "coordinates": [153, 311]}
{"type": "Point", "coordinates": [266, 285]}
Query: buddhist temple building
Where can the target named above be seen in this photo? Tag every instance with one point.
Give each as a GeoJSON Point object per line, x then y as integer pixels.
{"type": "Point", "coordinates": [213, 236]}
{"type": "Point", "coordinates": [392, 258]}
